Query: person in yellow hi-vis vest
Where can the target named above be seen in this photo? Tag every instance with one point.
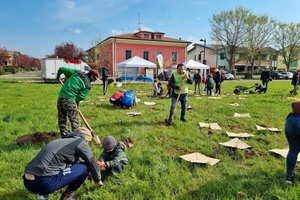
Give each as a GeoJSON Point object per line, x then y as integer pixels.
{"type": "Point", "coordinates": [179, 81]}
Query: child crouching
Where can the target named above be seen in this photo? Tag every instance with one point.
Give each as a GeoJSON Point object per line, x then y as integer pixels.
{"type": "Point", "coordinates": [113, 157]}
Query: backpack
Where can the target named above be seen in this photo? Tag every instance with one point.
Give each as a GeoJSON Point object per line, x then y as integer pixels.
{"type": "Point", "coordinates": [128, 99]}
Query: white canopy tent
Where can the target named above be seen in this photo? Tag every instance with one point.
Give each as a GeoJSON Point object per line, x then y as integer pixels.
{"type": "Point", "coordinates": [191, 64]}
{"type": "Point", "coordinates": [130, 67]}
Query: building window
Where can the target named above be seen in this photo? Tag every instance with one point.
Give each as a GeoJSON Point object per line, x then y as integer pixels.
{"type": "Point", "coordinates": [241, 55]}
{"type": "Point", "coordinates": [128, 54]}
{"type": "Point", "coordinates": [146, 55]}
{"type": "Point", "coordinates": [222, 56]}
{"type": "Point", "coordinates": [158, 37]}
{"type": "Point", "coordinates": [174, 57]}
{"type": "Point", "coordinates": [146, 35]}
{"type": "Point", "coordinates": [264, 57]}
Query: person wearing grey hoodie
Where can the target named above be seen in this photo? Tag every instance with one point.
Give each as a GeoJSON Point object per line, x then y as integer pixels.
{"type": "Point", "coordinates": [113, 157]}
{"type": "Point", "coordinates": [58, 165]}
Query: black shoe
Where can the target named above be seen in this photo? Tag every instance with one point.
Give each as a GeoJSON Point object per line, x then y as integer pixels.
{"type": "Point", "coordinates": [291, 92]}
{"type": "Point", "coordinates": [168, 122]}
{"type": "Point", "coordinates": [289, 179]}
{"type": "Point", "coordinates": [183, 120]}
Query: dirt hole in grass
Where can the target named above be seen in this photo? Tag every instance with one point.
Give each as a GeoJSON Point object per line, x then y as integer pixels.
{"type": "Point", "coordinates": [182, 151]}
{"type": "Point", "coordinates": [127, 141]}
{"type": "Point", "coordinates": [38, 138]}
{"type": "Point", "coordinates": [166, 139]}
{"type": "Point", "coordinates": [252, 154]}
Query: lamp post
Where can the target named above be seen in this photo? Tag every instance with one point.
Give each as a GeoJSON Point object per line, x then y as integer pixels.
{"type": "Point", "coordinates": [203, 40]}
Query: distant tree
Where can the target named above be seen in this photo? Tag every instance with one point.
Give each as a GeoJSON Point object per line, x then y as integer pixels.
{"type": "Point", "coordinates": [258, 38]}
{"type": "Point", "coordinates": [24, 61]}
{"type": "Point", "coordinates": [3, 56]}
{"type": "Point", "coordinates": [35, 63]}
{"type": "Point", "coordinates": [287, 41]}
{"type": "Point", "coordinates": [16, 59]}
{"type": "Point", "coordinates": [99, 52]}
{"type": "Point", "coordinates": [229, 30]}
{"type": "Point", "coordinates": [68, 51]}
{"type": "Point", "coordinates": [95, 52]}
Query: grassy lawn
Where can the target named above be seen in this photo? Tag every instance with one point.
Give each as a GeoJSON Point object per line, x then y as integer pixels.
{"type": "Point", "coordinates": [155, 170]}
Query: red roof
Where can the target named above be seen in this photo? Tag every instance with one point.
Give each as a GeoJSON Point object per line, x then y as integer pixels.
{"type": "Point", "coordinates": [134, 36]}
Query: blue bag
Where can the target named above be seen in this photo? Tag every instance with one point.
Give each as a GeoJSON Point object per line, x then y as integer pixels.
{"type": "Point", "coordinates": [128, 99]}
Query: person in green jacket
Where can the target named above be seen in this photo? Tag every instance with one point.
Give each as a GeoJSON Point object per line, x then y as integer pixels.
{"type": "Point", "coordinates": [113, 157]}
{"type": "Point", "coordinates": [74, 90]}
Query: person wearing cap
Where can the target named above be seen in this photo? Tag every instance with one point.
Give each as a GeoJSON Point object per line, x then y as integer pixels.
{"type": "Point", "coordinates": [105, 76]}
{"type": "Point", "coordinates": [113, 157]}
{"type": "Point", "coordinates": [57, 165]}
{"type": "Point", "coordinates": [74, 90]}
{"type": "Point", "coordinates": [292, 133]}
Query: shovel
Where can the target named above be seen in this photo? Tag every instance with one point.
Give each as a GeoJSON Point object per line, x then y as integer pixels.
{"type": "Point", "coordinates": [96, 139]}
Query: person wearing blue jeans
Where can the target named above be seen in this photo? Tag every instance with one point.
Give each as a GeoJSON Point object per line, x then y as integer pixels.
{"type": "Point", "coordinates": [292, 133]}
{"type": "Point", "coordinates": [57, 165]}
{"type": "Point", "coordinates": [179, 82]}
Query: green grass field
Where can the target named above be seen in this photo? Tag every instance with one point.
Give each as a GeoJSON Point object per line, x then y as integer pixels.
{"type": "Point", "coordinates": [155, 170]}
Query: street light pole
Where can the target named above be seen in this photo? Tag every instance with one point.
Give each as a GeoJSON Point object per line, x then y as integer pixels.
{"type": "Point", "coordinates": [203, 40]}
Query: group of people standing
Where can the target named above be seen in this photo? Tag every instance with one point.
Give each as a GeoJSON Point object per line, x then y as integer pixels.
{"type": "Point", "coordinates": [69, 161]}
{"type": "Point", "coordinates": [209, 82]}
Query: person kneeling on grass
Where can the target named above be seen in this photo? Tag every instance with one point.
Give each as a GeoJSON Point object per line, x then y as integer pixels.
{"type": "Point", "coordinates": [113, 157]}
{"type": "Point", "coordinates": [259, 89]}
{"type": "Point", "coordinates": [117, 97]}
{"type": "Point", "coordinates": [57, 165]}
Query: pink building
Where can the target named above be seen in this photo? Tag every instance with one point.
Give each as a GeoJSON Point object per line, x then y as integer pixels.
{"type": "Point", "coordinates": [144, 44]}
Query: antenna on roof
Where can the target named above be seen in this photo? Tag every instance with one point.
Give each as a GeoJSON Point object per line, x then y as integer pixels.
{"type": "Point", "coordinates": [139, 22]}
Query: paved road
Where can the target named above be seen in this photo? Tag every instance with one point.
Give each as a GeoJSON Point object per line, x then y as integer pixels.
{"type": "Point", "coordinates": [27, 75]}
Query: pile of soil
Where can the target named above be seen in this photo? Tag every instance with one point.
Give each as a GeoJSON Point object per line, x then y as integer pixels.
{"type": "Point", "coordinates": [38, 138]}
{"type": "Point", "coordinates": [127, 141]}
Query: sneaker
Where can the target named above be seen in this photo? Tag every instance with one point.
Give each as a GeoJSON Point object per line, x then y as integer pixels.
{"type": "Point", "coordinates": [70, 198]}
{"type": "Point", "coordinates": [289, 179]}
{"type": "Point", "coordinates": [43, 197]}
{"type": "Point", "coordinates": [63, 197]}
{"type": "Point", "coordinates": [183, 120]}
{"type": "Point", "coordinates": [291, 92]}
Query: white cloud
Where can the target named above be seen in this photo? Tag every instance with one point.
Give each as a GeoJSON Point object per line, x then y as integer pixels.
{"type": "Point", "coordinates": [116, 32]}
{"type": "Point", "coordinates": [76, 31]}
{"type": "Point", "coordinates": [69, 4]}
{"type": "Point", "coordinates": [144, 28]}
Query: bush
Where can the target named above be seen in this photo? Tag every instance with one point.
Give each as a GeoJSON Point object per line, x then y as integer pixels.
{"type": "Point", "coordinates": [10, 69]}
{"type": "Point", "coordinates": [248, 75]}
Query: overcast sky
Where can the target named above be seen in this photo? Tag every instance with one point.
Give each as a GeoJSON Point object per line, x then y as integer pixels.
{"type": "Point", "coordinates": [35, 27]}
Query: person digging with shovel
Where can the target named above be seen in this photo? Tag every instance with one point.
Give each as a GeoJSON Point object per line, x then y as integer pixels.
{"type": "Point", "coordinates": [74, 90]}
{"type": "Point", "coordinates": [179, 81]}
